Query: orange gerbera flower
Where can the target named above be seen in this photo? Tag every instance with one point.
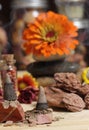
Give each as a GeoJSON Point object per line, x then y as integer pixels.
{"type": "Point", "coordinates": [50, 34]}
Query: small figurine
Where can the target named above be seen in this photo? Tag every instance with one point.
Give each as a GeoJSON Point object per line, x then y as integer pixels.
{"type": "Point", "coordinates": [42, 114]}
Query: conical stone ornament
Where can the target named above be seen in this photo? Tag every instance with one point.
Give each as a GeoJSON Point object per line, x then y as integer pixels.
{"type": "Point", "coordinates": [9, 92]}
{"type": "Point", "coordinates": [42, 101]}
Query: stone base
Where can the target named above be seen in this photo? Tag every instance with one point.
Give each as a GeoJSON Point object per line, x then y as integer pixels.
{"type": "Point", "coordinates": [39, 117]}
{"type": "Point", "coordinates": [39, 69]}
{"type": "Point", "coordinates": [14, 114]}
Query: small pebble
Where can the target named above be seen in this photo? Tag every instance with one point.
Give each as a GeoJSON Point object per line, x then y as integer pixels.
{"type": "Point", "coordinates": [8, 123]}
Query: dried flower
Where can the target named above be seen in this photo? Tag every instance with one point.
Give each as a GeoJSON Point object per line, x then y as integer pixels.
{"type": "Point", "coordinates": [27, 87]}
{"type": "Point", "coordinates": [50, 34]}
{"type": "Point", "coordinates": [27, 95]}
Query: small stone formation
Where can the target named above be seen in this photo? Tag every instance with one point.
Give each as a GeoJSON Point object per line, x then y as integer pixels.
{"type": "Point", "coordinates": [44, 70]}
{"type": "Point", "coordinates": [49, 68]}
{"type": "Point", "coordinates": [10, 108]}
{"type": "Point", "coordinates": [14, 114]}
{"type": "Point", "coordinates": [68, 93]}
{"type": "Point", "coordinates": [42, 114]}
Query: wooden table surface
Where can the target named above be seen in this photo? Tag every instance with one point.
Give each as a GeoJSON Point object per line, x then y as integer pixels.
{"type": "Point", "coordinates": [67, 121]}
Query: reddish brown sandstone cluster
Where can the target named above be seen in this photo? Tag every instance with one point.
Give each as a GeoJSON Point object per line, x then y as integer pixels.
{"type": "Point", "coordinates": [68, 92]}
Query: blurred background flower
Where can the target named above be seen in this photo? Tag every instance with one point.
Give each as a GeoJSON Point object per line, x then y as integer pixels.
{"type": "Point", "coordinates": [3, 39]}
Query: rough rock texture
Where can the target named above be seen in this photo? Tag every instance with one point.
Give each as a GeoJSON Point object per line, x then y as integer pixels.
{"type": "Point", "coordinates": [83, 90]}
{"type": "Point", "coordinates": [70, 83]}
{"type": "Point", "coordinates": [14, 114]}
{"type": "Point", "coordinates": [39, 117]}
{"type": "Point", "coordinates": [67, 81]}
{"type": "Point", "coordinates": [86, 99]}
{"type": "Point", "coordinates": [68, 92]}
{"type": "Point", "coordinates": [73, 102]}
{"type": "Point", "coordinates": [58, 98]}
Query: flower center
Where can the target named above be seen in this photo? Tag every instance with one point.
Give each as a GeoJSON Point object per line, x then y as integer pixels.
{"type": "Point", "coordinates": [22, 85]}
{"type": "Point", "coordinates": [50, 34]}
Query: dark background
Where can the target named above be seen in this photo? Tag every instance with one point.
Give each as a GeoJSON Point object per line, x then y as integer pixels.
{"type": "Point", "coordinates": [6, 10]}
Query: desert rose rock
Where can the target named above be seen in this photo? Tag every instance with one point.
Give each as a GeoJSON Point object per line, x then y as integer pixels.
{"type": "Point", "coordinates": [58, 98]}
{"type": "Point", "coordinates": [86, 99]}
{"type": "Point", "coordinates": [83, 90]}
{"type": "Point", "coordinates": [67, 81]}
